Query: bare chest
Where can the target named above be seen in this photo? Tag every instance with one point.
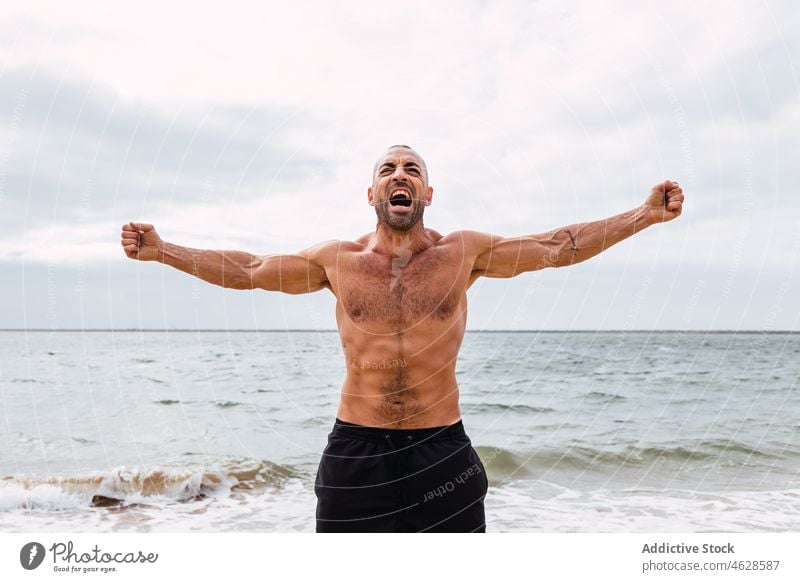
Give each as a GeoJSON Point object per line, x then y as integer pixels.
{"type": "Point", "coordinates": [403, 289]}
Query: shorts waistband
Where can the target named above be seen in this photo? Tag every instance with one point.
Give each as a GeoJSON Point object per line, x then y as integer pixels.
{"type": "Point", "coordinates": [417, 435]}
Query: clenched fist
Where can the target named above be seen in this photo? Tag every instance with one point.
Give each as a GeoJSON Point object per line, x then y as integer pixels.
{"type": "Point", "coordinates": [141, 241]}
{"type": "Point", "coordinates": [665, 201]}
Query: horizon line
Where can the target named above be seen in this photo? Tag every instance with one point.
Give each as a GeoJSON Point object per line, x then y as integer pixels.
{"type": "Point", "coordinates": [276, 330]}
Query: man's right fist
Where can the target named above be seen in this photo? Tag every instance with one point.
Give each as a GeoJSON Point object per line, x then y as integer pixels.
{"type": "Point", "coordinates": [141, 241]}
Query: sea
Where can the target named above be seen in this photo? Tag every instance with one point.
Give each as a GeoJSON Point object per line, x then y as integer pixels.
{"type": "Point", "coordinates": [222, 431]}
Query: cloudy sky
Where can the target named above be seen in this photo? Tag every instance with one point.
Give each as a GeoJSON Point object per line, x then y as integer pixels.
{"type": "Point", "coordinates": [255, 126]}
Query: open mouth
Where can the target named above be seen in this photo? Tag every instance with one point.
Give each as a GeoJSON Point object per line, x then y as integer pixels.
{"type": "Point", "coordinates": [400, 197]}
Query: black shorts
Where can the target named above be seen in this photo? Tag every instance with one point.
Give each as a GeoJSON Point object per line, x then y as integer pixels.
{"type": "Point", "coordinates": [400, 480]}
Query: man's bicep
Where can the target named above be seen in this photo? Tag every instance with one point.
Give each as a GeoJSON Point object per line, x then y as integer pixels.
{"type": "Point", "coordinates": [303, 272]}
{"type": "Point", "coordinates": [504, 257]}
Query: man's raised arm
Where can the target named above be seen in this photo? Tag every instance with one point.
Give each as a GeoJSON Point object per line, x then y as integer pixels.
{"type": "Point", "coordinates": [506, 257]}
{"type": "Point", "coordinates": [303, 272]}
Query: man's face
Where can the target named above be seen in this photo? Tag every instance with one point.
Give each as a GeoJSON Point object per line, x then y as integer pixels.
{"type": "Point", "coordinates": [400, 188]}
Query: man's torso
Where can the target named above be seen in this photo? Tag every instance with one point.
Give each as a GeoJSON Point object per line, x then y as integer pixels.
{"type": "Point", "coordinates": [401, 321]}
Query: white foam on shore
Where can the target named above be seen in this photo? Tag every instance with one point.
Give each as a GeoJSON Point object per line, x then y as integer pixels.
{"type": "Point", "coordinates": [517, 509]}
{"type": "Point", "coordinates": [513, 508]}
{"type": "Point", "coordinates": [47, 508]}
{"type": "Point", "coordinates": [40, 497]}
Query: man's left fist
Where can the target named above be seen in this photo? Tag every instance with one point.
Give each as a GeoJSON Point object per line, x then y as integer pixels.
{"type": "Point", "coordinates": [665, 201]}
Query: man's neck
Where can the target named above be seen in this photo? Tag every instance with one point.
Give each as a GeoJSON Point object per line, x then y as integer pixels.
{"type": "Point", "coordinates": [390, 242]}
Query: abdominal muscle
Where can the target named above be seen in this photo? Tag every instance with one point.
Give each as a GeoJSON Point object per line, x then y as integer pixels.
{"type": "Point", "coordinates": [401, 382]}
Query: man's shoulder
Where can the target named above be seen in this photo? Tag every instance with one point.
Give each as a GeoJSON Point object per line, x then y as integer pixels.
{"type": "Point", "coordinates": [329, 249]}
{"type": "Point", "coordinates": [471, 239]}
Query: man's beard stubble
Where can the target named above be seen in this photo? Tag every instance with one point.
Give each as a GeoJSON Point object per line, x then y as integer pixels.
{"type": "Point", "coordinates": [403, 222]}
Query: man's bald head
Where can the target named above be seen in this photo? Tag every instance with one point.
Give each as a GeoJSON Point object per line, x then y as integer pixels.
{"type": "Point", "coordinates": [405, 147]}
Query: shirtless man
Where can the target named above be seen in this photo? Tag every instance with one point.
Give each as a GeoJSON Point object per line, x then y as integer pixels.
{"type": "Point", "coordinates": [398, 458]}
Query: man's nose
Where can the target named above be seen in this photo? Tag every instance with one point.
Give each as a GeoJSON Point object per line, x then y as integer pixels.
{"type": "Point", "coordinates": [399, 175]}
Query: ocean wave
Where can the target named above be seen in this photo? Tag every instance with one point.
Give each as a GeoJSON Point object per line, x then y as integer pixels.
{"type": "Point", "coordinates": [503, 464]}
{"type": "Point", "coordinates": [124, 486]}
{"type": "Point", "coordinates": [605, 396]}
{"type": "Point", "coordinates": [226, 403]}
{"type": "Point", "coordinates": [489, 407]}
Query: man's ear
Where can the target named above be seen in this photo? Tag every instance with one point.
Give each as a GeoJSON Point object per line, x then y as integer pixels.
{"type": "Point", "coordinates": [429, 196]}
{"type": "Point", "coordinates": [369, 196]}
